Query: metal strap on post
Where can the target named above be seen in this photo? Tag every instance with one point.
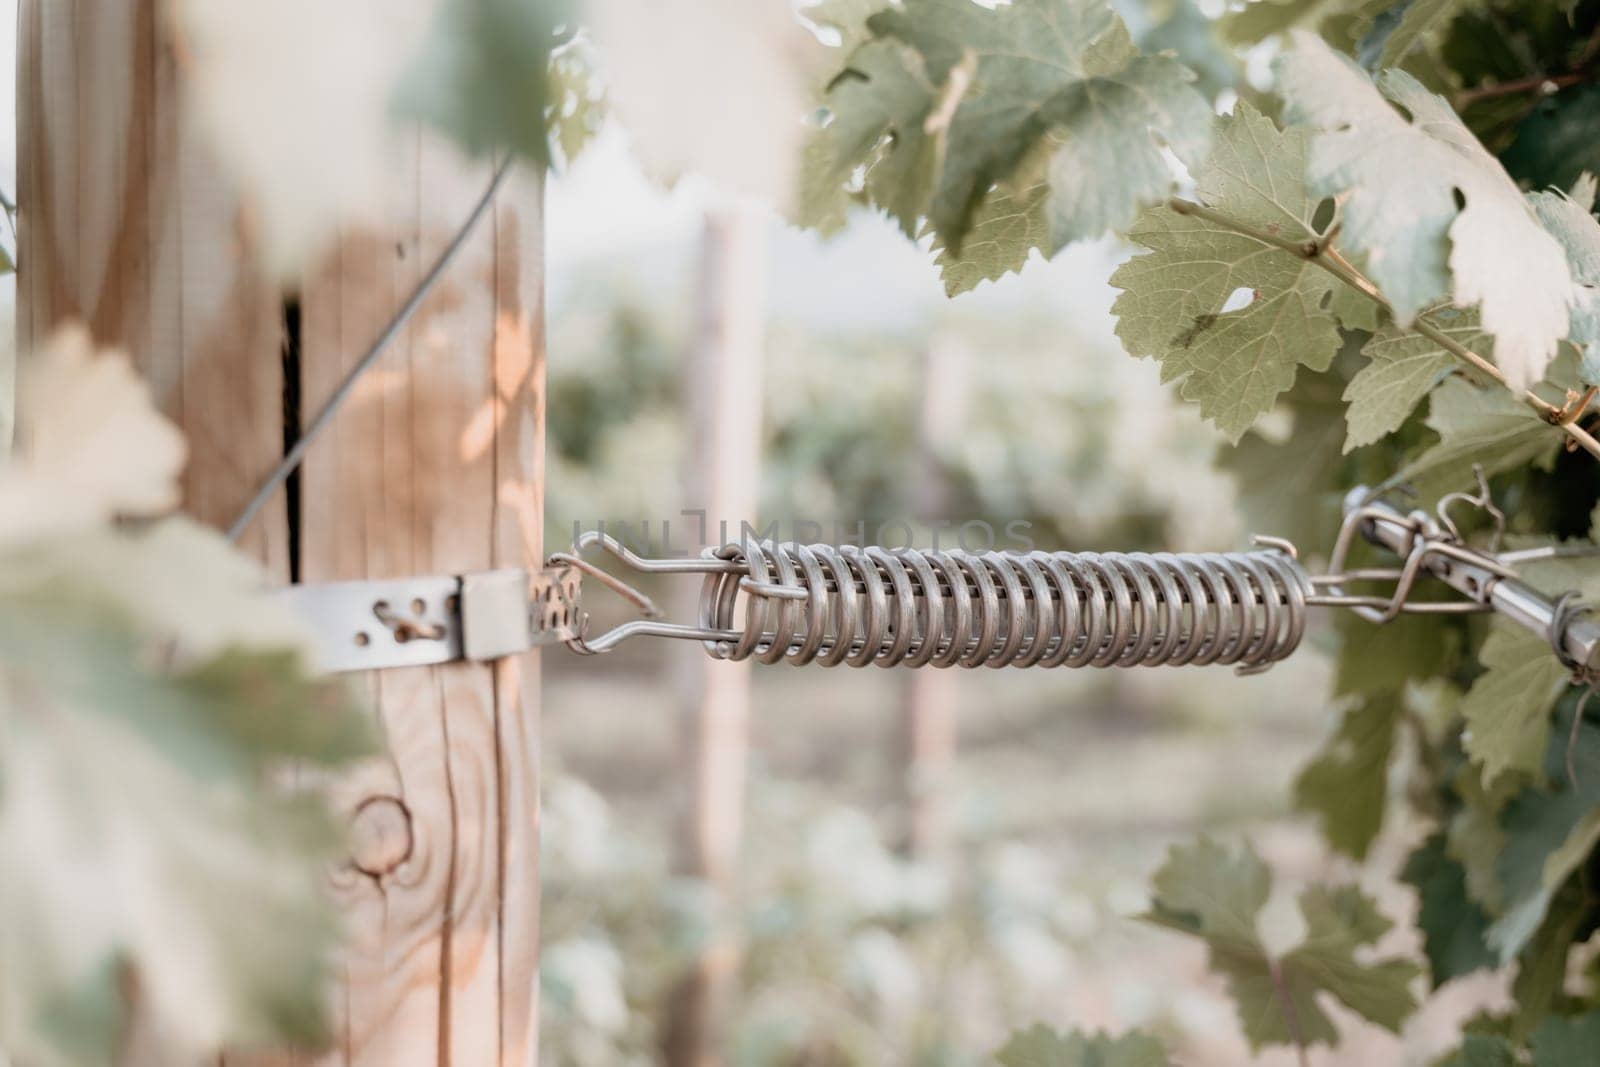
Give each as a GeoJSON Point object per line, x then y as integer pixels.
{"type": "Point", "coordinates": [413, 622]}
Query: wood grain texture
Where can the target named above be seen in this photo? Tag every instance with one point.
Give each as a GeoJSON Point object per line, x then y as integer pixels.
{"type": "Point", "coordinates": [435, 466]}
{"type": "Point", "coordinates": [127, 224]}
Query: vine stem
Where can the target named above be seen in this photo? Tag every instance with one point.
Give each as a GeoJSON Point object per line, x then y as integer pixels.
{"type": "Point", "coordinates": [1522, 85]}
{"type": "Point", "coordinates": [1291, 1018]}
{"type": "Point", "coordinates": [1317, 250]}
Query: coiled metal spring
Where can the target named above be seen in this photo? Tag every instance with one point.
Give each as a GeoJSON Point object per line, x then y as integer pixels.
{"type": "Point", "coordinates": [854, 606]}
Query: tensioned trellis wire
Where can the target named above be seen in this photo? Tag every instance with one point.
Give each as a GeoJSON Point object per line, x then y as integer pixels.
{"type": "Point", "coordinates": [857, 606]}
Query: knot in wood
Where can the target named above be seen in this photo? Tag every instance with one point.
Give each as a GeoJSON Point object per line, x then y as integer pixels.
{"type": "Point", "coordinates": [380, 836]}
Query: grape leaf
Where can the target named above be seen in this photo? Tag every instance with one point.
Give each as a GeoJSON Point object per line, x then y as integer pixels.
{"type": "Point", "coordinates": [1486, 427]}
{"type": "Point", "coordinates": [1481, 1050]}
{"type": "Point", "coordinates": [952, 98]}
{"type": "Point", "coordinates": [1567, 1042]}
{"type": "Point", "coordinates": [150, 695]}
{"type": "Point", "coordinates": [482, 74]}
{"type": "Point", "coordinates": [1006, 229]}
{"type": "Point", "coordinates": [1260, 19]}
{"type": "Point", "coordinates": [1569, 220]}
{"type": "Point", "coordinates": [1205, 891]}
{"type": "Point", "coordinates": [847, 19]}
{"type": "Point", "coordinates": [1306, 453]}
{"type": "Point", "coordinates": [1423, 22]}
{"type": "Point", "coordinates": [1507, 710]}
{"type": "Point", "coordinates": [577, 107]}
{"type": "Point", "coordinates": [1057, 75]}
{"type": "Point", "coordinates": [1040, 1046]}
{"type": "Point", "coordinates": [1378, 659]}
{"type": "Point", "coordinates": [880, 106]}
{"type": "Point", "coordinates": [1403, 368]}
{"type": "Point", "coordinates": [96, 448]}
{"type": "Point", "coordinates": [1193, 38]}
{"type": "Point", "coordinates": [1347, 784]}
{"type": "Point", "coordinates": [1399, 178]}
{"type": "Point", "coordinates": [1542, 967]}
{"type": "Point", "coordinates": [1454, 928]}
{"type": "Point", "coordinates": [1475, 838]}
{"type": "Point", "coordinates": [1549, 832]}
{"type": "Point", "coordinates": [1556, 142]}
{"type": "Point", "coordinates": [1234, 363]}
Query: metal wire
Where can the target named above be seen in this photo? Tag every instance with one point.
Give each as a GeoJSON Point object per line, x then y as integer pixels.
{"type": "Point", "coordinates": [856, 606]}
{"type": "Point", "coordinates": [805, 604]}
{"type": "Point", "coordinates": [296, 455]}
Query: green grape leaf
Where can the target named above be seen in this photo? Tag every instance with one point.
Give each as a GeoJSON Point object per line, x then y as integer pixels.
{"type": "Point", "coordinates": [1567, 1041]}
{"type": "Point", "coordinates": [1402, 369]}
{"type": "Point", "coordinates": [1548, 831]}
{"type": "Point", "coordinates": [1423, 23]}
{"type": "Point", "coordinates": [1568, 218]}
{"type": "Point", "coordinates": [1378, 659]}
{"type": "Point", "coordinates": [846, 18]}
{"type": "Point", "coordinates": [1175, 301]}
{"type": "Point", "coordinates": [1056, 84]}
{"type": "Point", "coordinates": [1558, 140]}
{"type": "Point", "coordinates": [950, 99]}
{"type": "Point", "coordinates": [1399, 178]}
{"type": "Point", "coordinates": [151, 697]}
{"type": "Point", "coordinates": [482, 75]}
{"type": "Point", "coordinates": [1306, 454]}
{"type": "Point", "coordinates": [1347, 784]}
{"type": "Point", "coordinates": [1454, 928]}
{"type": "Point", "coordinates": [1507, 710]}
{"type": "Point", "coordinates": [263, 700]}
{"type": "Point", "coordinates": [1475, 838]}
{"type": "Point", "coordinates": [175, 768]}
{"type": "Point", "coordinates": [1485, 427]}
{"type": "Point", "coordinates": [1260, 19]}
{"type": "Point", "coordinates": [1481, 1050]}
{"type": "Point", "coordinates": [1540, 987]}
{"type": "Point", "coordinates": [1006, 228]}
{"type": "Point", "coordinates": [1542, 967]}
{"type": "Point", "coordinates": [577, 108]}
{"type": "Point", "coordinates": [1207, 892]}
{"type": "Point", "coordinates": [1040, 1046]}
{"type": "Point", "coordinates": [1188, 34]}
{"type": "Point", "coordinates": [879, 107]}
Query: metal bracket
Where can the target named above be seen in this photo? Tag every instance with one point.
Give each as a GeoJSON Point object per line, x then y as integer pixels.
{"type": "Point", "coordinates": [418, 621]}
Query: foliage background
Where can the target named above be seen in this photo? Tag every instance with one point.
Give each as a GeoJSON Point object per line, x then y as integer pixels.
{"type": "Point", "coordinates": [1068, 788]}
{"type": "Point", "coordinates": [1445, 787]}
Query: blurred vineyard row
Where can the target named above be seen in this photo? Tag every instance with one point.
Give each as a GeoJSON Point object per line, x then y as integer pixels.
{"type": "Point", "coordinates": [1055, 428]}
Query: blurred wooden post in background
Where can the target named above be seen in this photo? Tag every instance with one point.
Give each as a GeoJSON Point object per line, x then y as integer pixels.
{"type": "Point", "coordinates": [723, 397]}
{"type": "Point", "coordinates": [435, 466]}
{"type": "Point", "coordinates": [927, 729]}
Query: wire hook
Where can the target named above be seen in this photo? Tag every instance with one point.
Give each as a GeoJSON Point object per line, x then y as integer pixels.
{"type": "Point", "coordinates": [646, 626]}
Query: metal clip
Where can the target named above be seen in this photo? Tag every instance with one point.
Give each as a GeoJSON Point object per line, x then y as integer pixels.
{"type": "Point", "coordinates": [579, 640]}
{"type": "Point", "coordinates": [1432, 546]}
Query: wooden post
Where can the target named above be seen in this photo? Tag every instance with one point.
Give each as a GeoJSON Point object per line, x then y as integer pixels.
{"type": "Point", "coordinates": [723, 398]}
{"type": "Point", "coordinates": [927, 728]}
{"type": "Point", "coordinates": [435, 466]}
